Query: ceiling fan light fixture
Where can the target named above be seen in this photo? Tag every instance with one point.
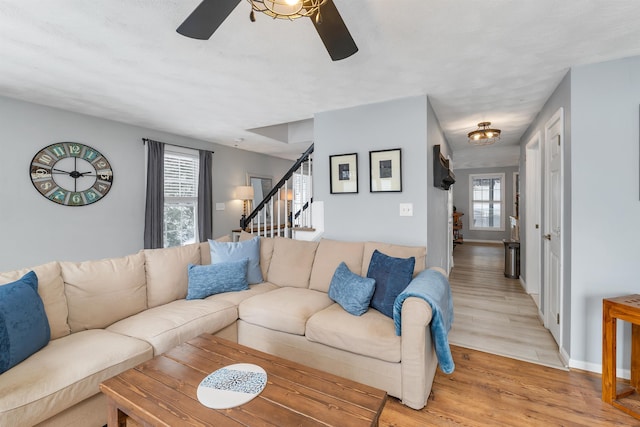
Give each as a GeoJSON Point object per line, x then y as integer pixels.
{"type": "Point", "coordinates": [287, 9]}
{"type": "Point", "coordinates": [484, 135]}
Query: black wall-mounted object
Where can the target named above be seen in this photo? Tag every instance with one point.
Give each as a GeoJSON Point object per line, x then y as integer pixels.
{"type": "Point", "coordinates": [443, 177]}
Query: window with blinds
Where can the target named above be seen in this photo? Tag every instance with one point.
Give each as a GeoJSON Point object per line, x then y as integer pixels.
{"type": "Point", "coordinates": [487, 202]}
{"type": "Point", "coordinates": [180, 197]}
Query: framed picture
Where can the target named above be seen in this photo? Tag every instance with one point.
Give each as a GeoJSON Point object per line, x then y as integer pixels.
{"type": "Point", "coordinates": [343, 173]}
{"type": "Point", "coordinates": [386, 170]}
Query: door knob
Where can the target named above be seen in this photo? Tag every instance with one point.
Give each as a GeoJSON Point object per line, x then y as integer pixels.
{"type": "Point", "coordinates": [547, 236]}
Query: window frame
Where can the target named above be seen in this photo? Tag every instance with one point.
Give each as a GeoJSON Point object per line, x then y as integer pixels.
{"type": "Point", "coordinates": [175, 151]}
{"type": "Point", "coordinates": [501, 200]}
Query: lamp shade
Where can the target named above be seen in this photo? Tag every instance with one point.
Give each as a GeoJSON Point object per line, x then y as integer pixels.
{"type": "Point", "coordinates": [288, 195]}
{"type": "Point", "coordinates": [244, 192]}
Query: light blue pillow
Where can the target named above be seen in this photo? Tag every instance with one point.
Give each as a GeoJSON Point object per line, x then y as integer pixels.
{"type": "Point", "coordinates": [24, 327]}
{"type": "Point", "coordinates": [206, 280]}
{"type": "Point", "coordinates": [392, 275]}
{"type": "Point", "coordinates": [235, 251]}
{"type": "Point", "coordinates": [351, 291]}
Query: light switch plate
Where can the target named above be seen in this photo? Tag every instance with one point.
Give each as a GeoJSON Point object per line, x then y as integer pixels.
{"type": "Point", "coordinates": [219, 206]}
{"type": "Point", "coordinates": [406, 209]}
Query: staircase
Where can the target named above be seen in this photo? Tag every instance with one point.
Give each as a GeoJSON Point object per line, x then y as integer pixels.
{"type": "Point", "coordinates": [287, 210]}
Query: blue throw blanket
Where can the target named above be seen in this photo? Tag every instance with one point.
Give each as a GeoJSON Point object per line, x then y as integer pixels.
{"type": "Point", "coordinates": [433, 287]}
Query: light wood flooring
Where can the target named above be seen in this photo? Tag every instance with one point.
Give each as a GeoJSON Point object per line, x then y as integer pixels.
{"type": "Point", "coordinates": [493, 313]}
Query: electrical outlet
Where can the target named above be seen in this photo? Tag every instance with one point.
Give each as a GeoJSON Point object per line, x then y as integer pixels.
{"type": "Point", "coordinates": [406, 209]}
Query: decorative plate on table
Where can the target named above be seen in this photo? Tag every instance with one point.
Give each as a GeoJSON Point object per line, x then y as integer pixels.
{"type": "Point", "coordinates": [232, 386]}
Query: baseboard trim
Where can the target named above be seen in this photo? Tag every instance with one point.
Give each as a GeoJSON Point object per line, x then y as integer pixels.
{"type": "Point", "coordinates": [495, 242]}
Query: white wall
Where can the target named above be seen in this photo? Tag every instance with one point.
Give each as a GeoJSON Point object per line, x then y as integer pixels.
{"type": "Point", "coordinates": [401, 124]}
{"type": "Point", "coordinates": [605, 199]}
{"type": "Point", "coordinates": [34, 230]}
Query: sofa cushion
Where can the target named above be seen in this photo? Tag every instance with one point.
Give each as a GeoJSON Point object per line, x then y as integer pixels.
{"type": "Point", "coordinates": [351, 291]}
{"type": "Point", "coordinates": [236, 251]}
{"type": "Point", "coordinates": [291, 262]}
{"type": "Point", "coordinates": [171, 324]}
{"type": "Point", "coordinates": [102, 292]}
{"type": "Point", "coordinates": [51, 290]}
{"type": "Point", "coordinates": [65, 372]}
{"type": "Point", "coordinates": [284, 309]}
{"type": "Point", "coordinates": [392, 275]}
{"type": "Point", "coordinates": [398, 251]}
{"type": "Point", "coordinates": [329, 255]}
{"type": "Point", "coordinates": [166, 270]}
{"type": "Point", "coordinates": [237, 297]}
{"type": "Point", "coordinates": [24, 328]}
{"type": "Point", "coordinates": [372, 334]}
{"type": "Point", "coordinates": [205, 249]}
{"type": "Point", "coordinates": [206, 280]}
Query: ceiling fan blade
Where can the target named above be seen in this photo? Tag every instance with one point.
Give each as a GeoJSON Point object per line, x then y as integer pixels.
{"type": "Point", "coordinates": [206, 18]}
{"type": "Point", "coordinates": [333, 32]}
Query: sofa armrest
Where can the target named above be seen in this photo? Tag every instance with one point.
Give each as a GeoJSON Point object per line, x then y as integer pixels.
{"type": "Point", "coordinates": [419, 360]}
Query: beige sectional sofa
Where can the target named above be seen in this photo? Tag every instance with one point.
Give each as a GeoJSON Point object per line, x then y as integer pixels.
{"type": "Point", "coordinates": [109, 315]}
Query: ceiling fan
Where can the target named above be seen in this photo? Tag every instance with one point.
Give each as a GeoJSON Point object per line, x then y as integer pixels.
{"type": "Point", "coordinates": [333, 32]}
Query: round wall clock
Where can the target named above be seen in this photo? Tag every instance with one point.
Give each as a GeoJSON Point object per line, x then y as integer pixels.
{"type": "Point", "coordinates": [71, 174]}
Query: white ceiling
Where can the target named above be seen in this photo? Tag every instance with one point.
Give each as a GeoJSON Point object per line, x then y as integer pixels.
{"type": "Point", "coordinates": [493, 60]}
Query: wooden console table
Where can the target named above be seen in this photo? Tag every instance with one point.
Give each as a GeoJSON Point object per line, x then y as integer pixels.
{"type": "Point", "coordinates": [625, 308]}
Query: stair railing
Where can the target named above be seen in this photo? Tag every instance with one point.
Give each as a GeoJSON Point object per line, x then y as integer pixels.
{"type": "Point", "coordinates": [294, 191]}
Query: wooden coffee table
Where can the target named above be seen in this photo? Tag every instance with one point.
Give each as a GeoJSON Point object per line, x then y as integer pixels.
{"type": "Point", "coordinates": [162, 391]}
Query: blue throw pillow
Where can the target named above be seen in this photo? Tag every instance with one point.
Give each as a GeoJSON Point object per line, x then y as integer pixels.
{"type": "Point", "coordinates": [236, 251]}
{"type": "Point", "coordinates": [392, 275]}
{"type": "Point", "coordinates": [206, 280]}
{"type": "Point", "coordinates": [24, 327]}
{"type": "Point", "coordinates": [351, 291]}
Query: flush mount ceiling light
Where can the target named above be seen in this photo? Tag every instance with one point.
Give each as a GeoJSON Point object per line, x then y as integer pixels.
{"type": "Point", "coordinates": [288, 9]}
{"type": "Point", "coordinates": [484, 135]}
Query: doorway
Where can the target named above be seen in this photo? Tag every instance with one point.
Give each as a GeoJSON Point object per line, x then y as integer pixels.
{"type": "Point", "coordinates": [533, 218]}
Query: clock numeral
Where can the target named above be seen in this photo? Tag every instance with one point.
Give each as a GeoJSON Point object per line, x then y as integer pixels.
{"type": "Point", "coordinates": [91, 196]}
{"type": "Point", "coordinates": [44, 186]}
{"type": "Point", "coordinates": [40, 173]}
{"type": "Point", "coordinates": [59, 195]}
{"type": "Point", "coordinates": [58, 150]}
{"type": "Point", "coordinates": [45, 159]}
{"type": "Point", "coordinates": [102, 164]}
{"type": "Point", "coordinates": [75, 199]}
{"type": "Point", "coordinates": [90, 155]}
{"type": "Point", "coordinates": [74, 149]}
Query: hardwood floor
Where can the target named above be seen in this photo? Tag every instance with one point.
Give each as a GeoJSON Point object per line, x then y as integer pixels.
{"type": "Point", "coordinates": [493, 313]}
{"type": "Point", "coordinates": [490, 390]}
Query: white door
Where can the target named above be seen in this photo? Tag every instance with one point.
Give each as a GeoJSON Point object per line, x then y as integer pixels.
{"type": "Point", "coordinates": [533, 217]}
{"type": "Point", "coordinates": [554, 131]}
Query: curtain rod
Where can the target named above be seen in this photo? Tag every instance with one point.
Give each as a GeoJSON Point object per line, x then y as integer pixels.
{"type": "Point", "coordinates": [144, 141]}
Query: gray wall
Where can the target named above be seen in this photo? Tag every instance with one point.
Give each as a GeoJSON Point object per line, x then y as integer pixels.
{"type": "Point", "coordinates": [461, 202]}
{"type": "Point", "coordinates": [438, 216]}
{"type": "Point", "coordinates": [34, 230]}
{"type": "Point", "coordinates": [375, 216]}
{"type": "Point", "coordinates": [605, 209]}
{"type": "Point", "coordinates": [560, 98]}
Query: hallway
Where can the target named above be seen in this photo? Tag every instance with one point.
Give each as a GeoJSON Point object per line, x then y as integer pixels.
{"type": "Point", "coordinates": [493, 313]}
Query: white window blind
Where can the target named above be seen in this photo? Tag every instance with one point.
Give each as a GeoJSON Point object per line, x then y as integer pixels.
{"type": "Point", "coordinates": [487, 202]}
{"type": "Point", "coordinates": [180, 197]}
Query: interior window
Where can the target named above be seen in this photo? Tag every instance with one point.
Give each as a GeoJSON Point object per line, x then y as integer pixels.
{"type": "Point", "coordinates": [487, 202]}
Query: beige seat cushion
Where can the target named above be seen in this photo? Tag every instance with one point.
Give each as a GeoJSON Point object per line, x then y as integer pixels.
{"type": "Point", "coordinates": [67, 371]}
{"type": "Point", "coordinates": [329, 255]}
{"type": "Point", "coordinates": [396, 251]}
{"type": "Point", "coordinates": [291, 262]}
{"type": "Point", "coordinates": [372, 334]}
{"type": "Point", "coordinates": [284, 309]}
{"type": "Point", "coordinates": [102, 292]}
{"type": "Point", "coordinates": [239, 296]}
{"type": "Point", "coordinates": [169, 325]}
{"type": "Point", "coordinates": [167, 274]}
{"type": "Point", "coordinates": [51, 290]}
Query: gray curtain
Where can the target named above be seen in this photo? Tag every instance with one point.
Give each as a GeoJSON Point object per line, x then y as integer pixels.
{"type": "Point", "coordinates": [205, 208]}
{"type": "Point", "coordinates": [154, 209]}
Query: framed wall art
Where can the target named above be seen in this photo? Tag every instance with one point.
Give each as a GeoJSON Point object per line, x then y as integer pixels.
{"type": "Point", "coordinates": [343, 173]}
{"type": "Point", "coordinates": [386, 170]}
